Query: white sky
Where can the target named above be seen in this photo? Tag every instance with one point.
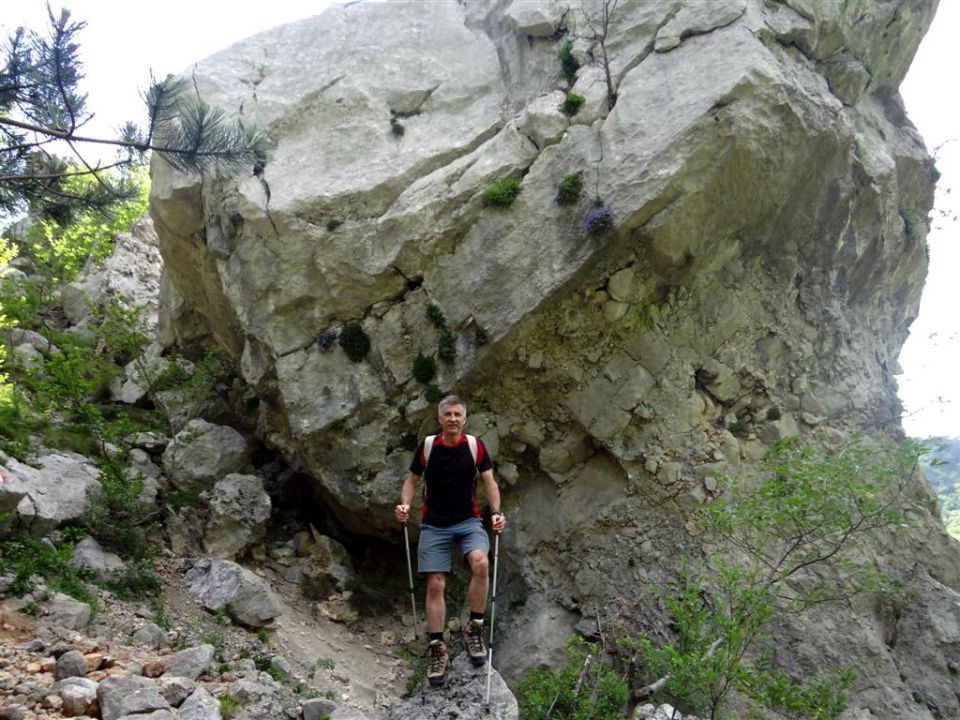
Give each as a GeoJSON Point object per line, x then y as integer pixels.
{"type": "Point", "coordinates": [125, 40]}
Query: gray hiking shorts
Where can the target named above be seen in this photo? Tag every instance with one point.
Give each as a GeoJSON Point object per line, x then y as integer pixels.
{"type": "Point", "coordinates": [436, 543]}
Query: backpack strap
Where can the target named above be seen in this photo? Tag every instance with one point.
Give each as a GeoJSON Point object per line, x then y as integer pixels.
{"type": "Point", "coordinates": [428, 448]}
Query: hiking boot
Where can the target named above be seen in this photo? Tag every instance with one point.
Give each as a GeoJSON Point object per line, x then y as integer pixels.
{"type": "Point", "coordinates": [437, 670]}
{"type": "Point", "coordinates": [473, 634]}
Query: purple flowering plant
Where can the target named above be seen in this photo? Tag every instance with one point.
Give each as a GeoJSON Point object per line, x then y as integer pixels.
{"type": "Point", "coordinates": [598, 218]}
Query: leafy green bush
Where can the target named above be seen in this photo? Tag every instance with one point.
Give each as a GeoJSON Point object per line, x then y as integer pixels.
{"type": "Point", "coordinates": [354, 341]}
{"type": "Point", "coordinates": [586, 688]}
{"type": "Point", "coordinates": [433, 394]}
{"type": "Point", "coordinates": [447, 346]}
{"type": "Point", "coordinates": [793, 541]}
{"type": "Point", "coordinates": [26, 556]}
{"type": "Point", "coordinates": [435, 315]}
{"type": "Point", "coordinates": [568, 62]}
{"type": "Point", "coordinates": [773, 413]}
{"type": "Point", "coordinates": [571, 104]}
{"type": "Point", "coordinates": [228, 707]}
{"type": "Point", "coordinates": [137, 580]}
{"type": "Point", "coordinates": [424, 368]}
{"type": "Point", "coordinates": [116, 517]}
{"type": "Point", "coordinates": [570, 188]}
{"type": "Point", "coordinates": [502, 194]}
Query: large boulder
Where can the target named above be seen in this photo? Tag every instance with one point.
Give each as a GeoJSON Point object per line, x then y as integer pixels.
{"type": "Point", "coordinates": [755, 170]}
{"type": "Point", "coordinates": [54, 490]}
{"type": "Point", "coordinates": [129, 695]}
{"type": "Point", "coordinates": [131, 275]}
{"type": "Point", "coordinates": [202, 453]}
{"type": "Point", "coordinates": [238, 512]}
{"type": "Point", "coordinates": [217, 584]}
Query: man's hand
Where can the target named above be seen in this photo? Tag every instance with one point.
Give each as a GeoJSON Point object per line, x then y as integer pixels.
{"type": "Point", "coordinates": [402, 513]}
{"type": "Point", "coordinates": [499, 522]}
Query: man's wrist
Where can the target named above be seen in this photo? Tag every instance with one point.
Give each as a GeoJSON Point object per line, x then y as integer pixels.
{"type": "Point", "coordinates": [496, 512]}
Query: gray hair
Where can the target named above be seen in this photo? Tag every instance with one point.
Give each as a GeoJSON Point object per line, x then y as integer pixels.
{"type": "Point", "coordinates": [451, 400]}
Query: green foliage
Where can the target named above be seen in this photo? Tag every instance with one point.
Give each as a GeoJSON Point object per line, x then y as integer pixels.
{"type": "Point", "coordinates": [502, 194]}
{"type": "Point", "coordinates": [435, 316]}
{"type": "Point", "coordinates": [325, 664]}
{"type": "Point", "coordinates": [570, 188]}
{"type": "Point", "coordinates": [41, 101]}
{"type": "Point", "coordinates": [118, 519]}
{"type": "Point", "coordinates": [59, 250]}
{"type": "Point", "coordinates": [447, 346]}
{"type": "Point", "coordinates": [585, 688]}
{"type": "Point", "coordinates": [740, 428]}
{"type": "Point", "coordinates": [137, 581]}
{"type": "Point", "coordinates": [424, 368]}
{"type": "Point", "coordinates": [264, 665]}
{"type": "Point", "coordinates": [909, 224]}
{"type": "Point", "coordinates": [229, 707]}
{"type": "Point", "coordinates": [26, 556]}
{"type": "Point", "coordinates": [942, 468]}
{"type": "Point", "coordinates": [571, 104]}
{"type": "Point", "coordinates": [773, 413]}
{"type": "Point", "coordinates": [568, 62]}
{"type": "Point", "coordinates": [800, 528]}
{"type": "Point", "coordinates": [433, 394]}
{"type": "Point", "coordinates": [354, 341]}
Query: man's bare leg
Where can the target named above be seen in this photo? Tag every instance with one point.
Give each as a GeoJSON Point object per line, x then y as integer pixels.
{"type": "Point", "coordinates": [479, 581]}
{"type": "Point", "coordinates": [436, 606]}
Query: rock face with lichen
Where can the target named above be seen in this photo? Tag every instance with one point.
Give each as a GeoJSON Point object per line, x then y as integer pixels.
{"type": "Point", "coordinates": [768, 197]}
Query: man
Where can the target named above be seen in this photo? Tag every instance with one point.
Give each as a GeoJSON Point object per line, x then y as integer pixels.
{"type": "Point", "coordinates": [451, 515]}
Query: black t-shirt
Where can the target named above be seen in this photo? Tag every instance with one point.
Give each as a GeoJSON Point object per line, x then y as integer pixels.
{"type": "Point", "coordinates": [450, 495]}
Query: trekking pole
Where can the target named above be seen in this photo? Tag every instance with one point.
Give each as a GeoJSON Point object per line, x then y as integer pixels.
{"type": "Point", "coordinates": [413, 601]}
{"type": "Point", "coordinates": [493, 615]}
{"type": "Point", "coordinates": [413, 605]}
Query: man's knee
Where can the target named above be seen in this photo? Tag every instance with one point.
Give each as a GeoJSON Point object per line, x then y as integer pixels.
{"type": "Point", "coordinates": [479, 564]}
{"type": "Point", "coordinates": [435, 584]}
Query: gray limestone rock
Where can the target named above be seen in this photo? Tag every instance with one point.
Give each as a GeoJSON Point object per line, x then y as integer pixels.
{"type": "Point", "coordinates": [131, 274]}
{"type": "Point", "coordinates": [201, 705]}
{"type": "Point", "coordinates": [151, 635]}
{"type": "Point", "coordinates": [52, 491]}
{"type": "Point", "coordinates": [316, 708]}
{"type": "Point", "coordinates": [128, 695]}
{"type": "Point", "coordinates": [175, 689]}
{"type": "Point", "coordinates": [326, 569]}
{"type": "Point", "coordinates": [202, 453]}
{"type": "Point", "coordinates": [70, 664]}
{"type": "Point", "coordinates": [463, 696]}
{"type": "Point", "coordinates": [189, 663]}
{"type": "Point", "coordinates": [756, 160]}
{"type": "Point", "coordinates": [239, 509]}
{"type": "Point", "coordinates": [89, 553]}
{"type": "Point", "coordinates": [78, 695]}
{"type": "Point", "coordinates": [63, 611]}
{"type": "Point", "coordinates": [221, 583]}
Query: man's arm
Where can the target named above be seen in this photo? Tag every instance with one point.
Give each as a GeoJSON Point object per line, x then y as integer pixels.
{"type": "Point", "coordinates": [492, 491]}
{"type": "Point", "coordinates": [402, 511]}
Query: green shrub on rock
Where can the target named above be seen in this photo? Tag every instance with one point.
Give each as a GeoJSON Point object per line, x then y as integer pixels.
{"type": "Point", "coordinates": [571, 104]}
{"type": "Point", "coordinates": [503, 193]}
{"type": "Point", "coordinates": [354, 341]}
{"type": "Point", "coordinates": [424, 368]}
{"type": "Point", "coordinates": [570, 188]}
{"type": "Point", "coordinates": [568, 62]}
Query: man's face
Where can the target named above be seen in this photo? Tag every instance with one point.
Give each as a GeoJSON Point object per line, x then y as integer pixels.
{"type": "Point", "coordinates": [452, 418]}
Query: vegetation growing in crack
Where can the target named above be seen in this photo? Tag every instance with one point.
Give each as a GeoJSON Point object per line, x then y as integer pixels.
{"type": "Point", "coordinates": [571, 104]}
{"type": "Point", "coordinates": [424, 368]}
{"type": "Point", "coordinates": [598, 219]}
{"type": "Point", "coordinates": [570, 189]}
{"type": "Point", "coordinates": [568, 63]}
{"type": "Point", "coordinates": [354, 341]}
{"type": "Point", "coordinates": [502, 194]}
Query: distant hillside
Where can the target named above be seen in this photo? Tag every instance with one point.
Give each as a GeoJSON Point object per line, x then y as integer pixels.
{"type": "Point", "coordinates": [942, 467]}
